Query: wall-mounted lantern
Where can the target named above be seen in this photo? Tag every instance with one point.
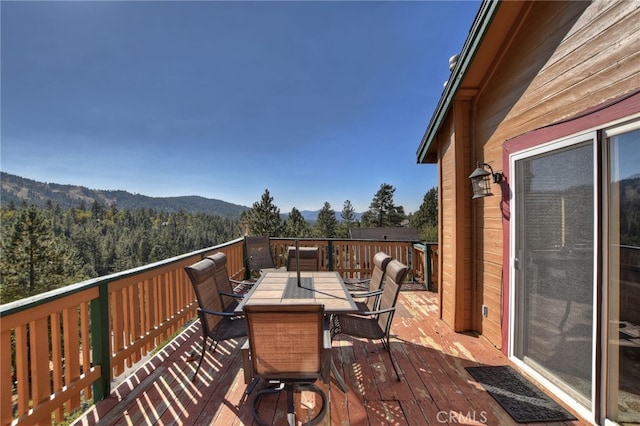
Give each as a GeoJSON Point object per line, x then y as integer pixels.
{"type": "Point", "coordinates": [480, 180]}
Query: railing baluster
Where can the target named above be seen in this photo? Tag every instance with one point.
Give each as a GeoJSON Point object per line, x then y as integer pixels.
{"type": "Point", "coordinates": [71, 352]}
{"type": "Point", "coordinates": [56, 358]}
{"type": "Point", "coordinates": [6, 378]}
{"type": "Point", "coordinates": [22, 369]}
{"type": "Point", "coordinates": [86, 345]}
{"type": "Point", "coordinates": [39, 353]}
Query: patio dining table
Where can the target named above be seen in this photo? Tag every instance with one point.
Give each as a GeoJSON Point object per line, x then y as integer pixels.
{"type": "Point", "coordinates": [321, 287]}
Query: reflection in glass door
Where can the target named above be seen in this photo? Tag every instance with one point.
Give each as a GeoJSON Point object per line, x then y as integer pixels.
{"type": "Point", "coordinates": [554, 264]}
{"type": "Point", "coordinates": [623, 355]}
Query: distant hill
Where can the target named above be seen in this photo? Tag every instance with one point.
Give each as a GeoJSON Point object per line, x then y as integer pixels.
{"type": "Point", "coordinates": [17, 189]}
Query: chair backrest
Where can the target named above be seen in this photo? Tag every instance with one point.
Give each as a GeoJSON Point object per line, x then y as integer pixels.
{"type": "Point", "coordinates": [380, 262]}
{"type": "Point", "coordinates": [204, 285]}
{"type": "Point", "coordinates": [286, 341]}
{"type": "Point", "coordinates": [221, 274]}
{"type": "Point", "coordinates": [396, 272]}
{"type": "Point", "coordinates": [258, 253]}
{"type": "Point", "coordinates": [309, 260]}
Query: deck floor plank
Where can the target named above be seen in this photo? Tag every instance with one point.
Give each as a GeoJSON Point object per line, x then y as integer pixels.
{"type": "Point", "coordinates": [434, 388]}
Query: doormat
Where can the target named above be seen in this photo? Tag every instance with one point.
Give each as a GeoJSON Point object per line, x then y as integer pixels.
{"type": "Point", "coordinates": [520, 398]}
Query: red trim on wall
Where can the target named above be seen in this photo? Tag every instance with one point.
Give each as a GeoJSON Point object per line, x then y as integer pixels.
{"type": "Point", "coordinates": [595, 117]}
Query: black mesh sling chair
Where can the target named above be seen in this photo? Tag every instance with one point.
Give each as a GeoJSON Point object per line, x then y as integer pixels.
{"type": "Point", "coordinates": [259, 257]}
{"type": "Point", "coordinates": [289, 346]}
{"type": "Point", "coordinates": [375, 324]}
{"type": "Point", "coordinates": [216, 324]}
{"type": "Point", "coordinates": [232, 291]}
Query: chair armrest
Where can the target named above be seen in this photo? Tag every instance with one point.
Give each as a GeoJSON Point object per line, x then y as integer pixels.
{"type": "Point", "coordinates": [239, 284]}
{"type": "Point", "coordinates": [380, 311]}
{"type": "Point", "coordinates": [234, 295]}
{"type": "Point", "coordinates": [358, 285]}
{"type": "Point", "coordinates": [366, 293]}
{"type": "Point", "coordinates": [220, 314]}
{"type": "Point", "coordinates": [350, 281]}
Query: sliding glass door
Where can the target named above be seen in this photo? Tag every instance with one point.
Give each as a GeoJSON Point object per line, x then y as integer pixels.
{"type": "Point", "coordinates": [623, 276]}
{"type": "Point", "coordinates": [553, 269]}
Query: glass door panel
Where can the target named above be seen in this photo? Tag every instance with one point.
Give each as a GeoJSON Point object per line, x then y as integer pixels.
{"type": "Point", "coordinates": [623, 378]}
{"type": "Point", "coordinates": [554, 278]}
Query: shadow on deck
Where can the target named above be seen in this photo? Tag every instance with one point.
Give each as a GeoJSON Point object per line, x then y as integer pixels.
{"type": "Point", "coordinates": [435, 388]}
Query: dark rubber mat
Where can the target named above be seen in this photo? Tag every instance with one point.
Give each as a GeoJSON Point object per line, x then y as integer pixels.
{"type": "Point", "coordinates": [519, 397]}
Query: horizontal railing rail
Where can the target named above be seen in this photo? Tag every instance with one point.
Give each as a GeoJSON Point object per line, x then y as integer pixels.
{"type": "Point", "coordinates": [67, 346]}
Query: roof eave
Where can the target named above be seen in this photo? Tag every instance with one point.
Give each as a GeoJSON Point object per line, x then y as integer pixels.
{"type": "Point", "coordinates": [478, 30]}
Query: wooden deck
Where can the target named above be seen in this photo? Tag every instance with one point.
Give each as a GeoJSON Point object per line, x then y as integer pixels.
{"type": "Point", "coordinates": [435, 388]}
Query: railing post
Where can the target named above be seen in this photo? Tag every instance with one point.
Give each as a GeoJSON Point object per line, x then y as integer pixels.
{"type": "Point", "coordinates": [101, 352]}
{"type": "Point", "coordinates": [245, 259]}
{"type": "Point", "coordinates": [427, 267]}
{"type": "Point", "coordinates": [330, 254]}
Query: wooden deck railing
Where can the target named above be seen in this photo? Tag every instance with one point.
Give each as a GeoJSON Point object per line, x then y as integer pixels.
{"type": "Point", "coordinates": [67, 346]}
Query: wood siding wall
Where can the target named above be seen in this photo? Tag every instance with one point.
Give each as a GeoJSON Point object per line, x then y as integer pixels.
{"type": "Point", "coordinates": [455, 229]}
{"type": "Point", "coordinates": [558, 60]}
{"type": "Point", "coordinates": [447, 280]}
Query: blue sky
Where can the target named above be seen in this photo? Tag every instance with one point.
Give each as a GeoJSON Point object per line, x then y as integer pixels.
{"type": "Point", "coordinates": [315, 101]}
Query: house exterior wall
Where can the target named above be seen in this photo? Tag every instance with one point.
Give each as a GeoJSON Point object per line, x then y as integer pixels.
{"type": "Point", "coordinates": [455, 283]}
{"type": "Point", "coordinates": [558, 60]}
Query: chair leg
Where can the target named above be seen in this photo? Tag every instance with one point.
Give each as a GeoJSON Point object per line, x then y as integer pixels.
{"type": "Point", "coordinates": [256, 400]}
{"type": "Point", "coordinates": [290, 389]}
{"type": "Point", "coordinates": [291, 409]}
{"type": "Point", "coordinates": [251, 386]}
{"type": "Point", "coordinates": [204, 346]}
{"type": "Point", "coordinates": [313, 388]}
{"type": "Point", "coordinates": [387, 345]}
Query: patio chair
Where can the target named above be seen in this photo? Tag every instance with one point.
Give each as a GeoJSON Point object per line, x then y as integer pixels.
{"type": "Point", "coordinates": [309, 260]}
{"type": "Point", "coordinates": [216, 324]}
{"type": "Point", "coordinates": [288, 346]}
{"type": "Point", "coordinates": [259, 257]}
{"type": "Point", "coordinates": [229, 289]}
{"type": "Point", "coordinates": [375, 324]}
{"type": "Point", "coordinates": [373, 284]}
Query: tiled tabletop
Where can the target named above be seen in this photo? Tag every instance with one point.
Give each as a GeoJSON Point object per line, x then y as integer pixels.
{"type": "Point", "coordinates": [328, 289]}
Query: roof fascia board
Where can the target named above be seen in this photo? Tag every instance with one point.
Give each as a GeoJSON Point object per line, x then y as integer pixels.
{"type": "Point", "coordinates": [478, 30]}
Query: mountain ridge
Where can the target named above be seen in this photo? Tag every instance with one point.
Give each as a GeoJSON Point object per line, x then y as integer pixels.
{"type": "Point", "coordinates": [18, 189]}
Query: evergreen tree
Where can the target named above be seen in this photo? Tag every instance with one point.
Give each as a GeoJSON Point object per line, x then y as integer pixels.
{"type": "Point", "coordinates": [348, 220]}
{"type": "Point", "coordinates": [427, 214]}
{"type": "Point", "coordinates": [326, 223]}
{"type": "Point", "coordinates": [263, 218]}
{"type": "Point", "coordinates": [82, 243]}
{"type": "Point", "coordinates": [382, 210]}
{"type": "Point", "coordinates": [296, 226]}
{"type": "Point", "coordinates": [33, 260]}
{"type": "Point", "coordinates": [425, 220]}
{"type": "Point", "coordinates": [348, 213]}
